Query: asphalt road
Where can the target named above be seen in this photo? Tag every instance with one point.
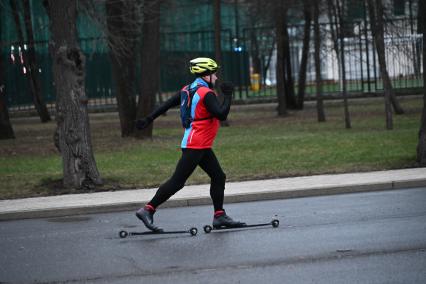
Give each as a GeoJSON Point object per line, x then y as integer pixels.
{"type": "Point", "coordinates": [353, 238]}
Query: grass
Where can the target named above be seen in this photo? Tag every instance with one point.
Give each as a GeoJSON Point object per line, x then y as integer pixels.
{"type": "Point", "coordinates": [259, 144]}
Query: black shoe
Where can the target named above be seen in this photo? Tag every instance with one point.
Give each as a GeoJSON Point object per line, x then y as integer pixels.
{"type": "Point", "coordinates": [224, 221]}
{"type": "Point", "coordinates": [147, 217]}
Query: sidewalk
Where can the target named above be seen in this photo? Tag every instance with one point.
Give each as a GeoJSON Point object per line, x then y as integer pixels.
{"type": "Point", "coordinates": [73, 204]}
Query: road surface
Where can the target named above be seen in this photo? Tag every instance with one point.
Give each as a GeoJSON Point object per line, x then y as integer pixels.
{"type": "Point", "coordinates": [375, 237]}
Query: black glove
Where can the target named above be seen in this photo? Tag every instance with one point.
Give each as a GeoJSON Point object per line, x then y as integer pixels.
{"type": "Point", "coordinates": [227, 88]}
{"type": "Point", "coordinates": [143, 123]}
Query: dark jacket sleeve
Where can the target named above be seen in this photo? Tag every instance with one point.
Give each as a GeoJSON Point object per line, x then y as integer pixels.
{"type": "Point", "coordinates": [213, 106]}
{"type": "Point", "coordinates": [163, 108]}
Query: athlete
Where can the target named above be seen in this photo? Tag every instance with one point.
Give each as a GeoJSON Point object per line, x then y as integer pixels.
{"type": "Point", "coordinates": [198, 138]}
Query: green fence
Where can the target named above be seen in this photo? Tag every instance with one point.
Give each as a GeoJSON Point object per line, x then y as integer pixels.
{"type": "Point", "coordinates": [100, 87]}
{"type": "Point", "coordinates": [187, 33]}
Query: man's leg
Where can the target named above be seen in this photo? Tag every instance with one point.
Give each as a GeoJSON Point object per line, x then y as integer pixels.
{"type": "Point", "coordinates": [211, 166]}
{"type": "Point", "coordinates": [184, 168]}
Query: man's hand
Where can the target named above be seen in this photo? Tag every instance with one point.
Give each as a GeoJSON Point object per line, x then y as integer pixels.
{"type": "Point", "coordinates": [227, 88]}
{"type": "Point", "coordinates": [143, 123]}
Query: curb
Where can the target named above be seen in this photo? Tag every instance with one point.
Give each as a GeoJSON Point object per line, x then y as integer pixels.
{"type": "Point", "coordinates": [203, 200]}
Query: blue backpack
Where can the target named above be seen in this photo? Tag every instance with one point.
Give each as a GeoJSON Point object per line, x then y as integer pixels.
{"type": "Point", "coordinates": [186, 95]}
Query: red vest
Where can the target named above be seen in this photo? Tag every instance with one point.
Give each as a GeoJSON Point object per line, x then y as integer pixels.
{"type": "Point", "coordinates": [202, 132]}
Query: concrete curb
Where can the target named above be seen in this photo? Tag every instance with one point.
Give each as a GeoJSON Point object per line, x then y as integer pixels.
{"type": "Point", "coordinates": [278, 191]}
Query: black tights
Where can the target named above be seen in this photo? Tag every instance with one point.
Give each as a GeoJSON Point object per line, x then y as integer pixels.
{"type": "Point", "coordinates": [191, 158]}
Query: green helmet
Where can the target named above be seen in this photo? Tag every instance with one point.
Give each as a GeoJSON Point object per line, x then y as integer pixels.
{"type": "Point", "coordinates": [203, 66]}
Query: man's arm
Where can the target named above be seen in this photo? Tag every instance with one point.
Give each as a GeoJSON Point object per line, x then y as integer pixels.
{"type": "Point", "coordinates": [163, 108]}
{"type": "Point", "coordinates": [213, 106]}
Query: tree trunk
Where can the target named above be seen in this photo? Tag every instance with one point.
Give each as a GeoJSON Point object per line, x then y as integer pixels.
{"type": "Point", "coordinates": [305, 53]}
{"type": "Point", "coordinates": [335, 9]}
{"type": "Point", "coordinates": [416, 52]}
{"type": "Point", "coordinates": [421, 146]}
{"type": "Point", "coordinates": [29, 59]}
{"type": "Point", "coordinates": [279, 29]}
{"type": "Point", "coordinates": [343, 70]}
{"type": "Point", "coordinates": [32, 69]}
{"type": "Point", "coordinates": [150, 63]}
{"type": "Point", "coordinates": [217, 36]}
{"type": "Point", "coordinates": [376, 12]}
{"type": "Point", "coordinates": [6, 130]}
{"type": "Point", "coordinates": [378, 36]}
{"type": "Point", "coordinates": [218, 49]}
{"type": "Point", "coordinates": [288, 73]}
{"type": "Point", "coordinates": [318, 79]}
{"type": "Point", "coordinates": [255, 53]}
{"type": "Point", "coordinates": [122, 42]}
{"type": "Point", "coordinates": [256, 11]}
{"type": "Point", "coordinates": [72, 136]}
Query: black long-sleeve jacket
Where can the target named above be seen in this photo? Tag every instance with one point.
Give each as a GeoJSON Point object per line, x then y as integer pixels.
{"type": "Point", "coordinates": [216, 109]}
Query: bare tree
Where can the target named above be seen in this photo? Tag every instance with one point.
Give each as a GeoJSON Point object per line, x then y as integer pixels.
{"type": "Point", "coordinates": [6, 130]}
{"type": "Point", "coordinates": [218, 46]}
{"type": "Point", "coordinates": [376, 14]}
{"type": "Point", "coordinates": [123, 28]}
{"type": "Point", "coordinates": [414, 46]}
{"type": "Point", "coordinates": [336, 10]}
{"type": "Point", "coordinates": [255, 49]}
{"type": "Point", "coordinates": [307, 12]}
{"type": "Point", "coordinates": [29, 56]}
{"type": "Point", "coordinates": [124, 23]}
{"type": "Point", "coordinates": [279, 33]}
{"type": "Point", "coordinates": [262, 40]}
{"type": "Point", "coordinates": [150, 63]}
{"type": "Point", "coordinates": [375, 9]}
{"type": "Point", "coordinates": [255, 13]}
{"type": "Point", "coordinates": [33, 75]}
{"type": "Point", "coordinates": [317, 59]}
{"type": "Point", "coordinates": [121, 24]}
{"type": "Point", "coordinates": [72, 137]}
{"type": "Point", "coordinates": [288, 70]}
{"type": "Point", "coordinates": [421, 146]}
{"type": "Point", "coordinates": [217, 34]}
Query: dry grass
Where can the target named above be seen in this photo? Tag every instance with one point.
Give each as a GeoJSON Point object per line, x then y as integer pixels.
{"type": "Point", "coordinates": [259, 144]}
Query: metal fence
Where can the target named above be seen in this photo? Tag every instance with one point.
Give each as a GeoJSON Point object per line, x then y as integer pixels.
{"type": "Point", "coordinates": [254, 52]}
{"type": "Point", "coordinates": [403, 54]}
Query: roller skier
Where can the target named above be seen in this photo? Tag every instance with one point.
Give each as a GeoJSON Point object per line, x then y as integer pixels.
{"type": "Point", "coordinates": [201, 112]}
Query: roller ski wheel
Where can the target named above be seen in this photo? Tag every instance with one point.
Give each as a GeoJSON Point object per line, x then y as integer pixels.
{"type": "Point", "coordinates": [193, 231]}
{"type": "Point", "coordinates": [123, 234]}
{"type": "Point", "coordinates": [275, 223]}
{"type": "Point", "coordinates": [208, 229]}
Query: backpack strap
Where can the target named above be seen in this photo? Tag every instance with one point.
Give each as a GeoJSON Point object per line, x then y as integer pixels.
{"type": "Point", "coordinates": [191, 93]}
{"type": "Point", "coordinates": [204, 118]}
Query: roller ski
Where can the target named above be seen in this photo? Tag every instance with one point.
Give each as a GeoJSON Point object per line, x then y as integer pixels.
{"type": "Point", "coordinates": [146, 215]}
{"type": "Point", "coordinates": [224, 222]}
{"type": "Point", "coordinates": [124, 234]}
